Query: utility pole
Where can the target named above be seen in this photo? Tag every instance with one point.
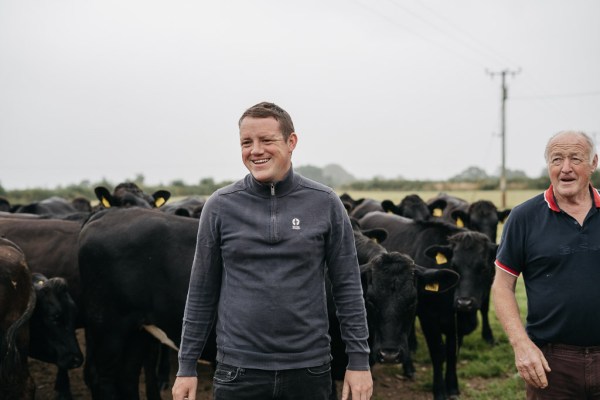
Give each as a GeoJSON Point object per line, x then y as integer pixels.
{"type": "Point", "coordinates": [504, 96]}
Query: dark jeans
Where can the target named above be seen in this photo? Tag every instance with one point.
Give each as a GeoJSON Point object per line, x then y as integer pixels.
{"type": "Point", "coordinates": [235, 383]}
{"type": "Point", "coordinates": [575, 373]}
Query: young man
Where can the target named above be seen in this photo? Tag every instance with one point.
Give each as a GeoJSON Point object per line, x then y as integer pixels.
{"type": "Point", "coordinates": [264, 246]}
{"type": "Point", "coordinates": [553, 239]}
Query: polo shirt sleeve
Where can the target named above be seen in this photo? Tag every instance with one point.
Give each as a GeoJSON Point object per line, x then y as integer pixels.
{"type": "Point", "coordinates": [511, 251]}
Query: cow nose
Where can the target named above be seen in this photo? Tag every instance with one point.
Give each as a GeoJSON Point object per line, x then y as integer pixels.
{"type": "Point", "coordinates": [389, 356]}
{"type": "Point", "coordinates": [75, 361]}
{"type": "Point", "coordinates": [465, 303]}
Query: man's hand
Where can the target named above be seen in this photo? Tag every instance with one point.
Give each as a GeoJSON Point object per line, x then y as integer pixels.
{"type": "Point", "coordinates": [358, 385]}
{"type": "Point", "coordinates": [531, 364]}
{"type": "Point", "coordinates": [184, 388]}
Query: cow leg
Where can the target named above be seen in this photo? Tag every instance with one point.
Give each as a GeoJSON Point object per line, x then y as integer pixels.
{"type": "Point", "coordinates": [104, 353]}
{"type": "Point", "coordinates": [486, 329]}
{"type": "Point", "coordinates": [62, 385]}
{"type": "Point", "coordinates": [153, 360]}
{"type": "Point", "coordinates": [139, 345]}
{"type": "Point", "coordinates": [408, 367]}
{"type": "Point", "coordinates": [435, 345]}
{"type": "Point", "coordinates": [412, 339]}
{"type": "Point", "coordinates": [452, 345]}
{"type": "Point", "coordinates": [164, 368]}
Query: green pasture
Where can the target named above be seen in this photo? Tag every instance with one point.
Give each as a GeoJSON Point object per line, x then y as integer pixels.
{"type": "Point", "coordinates": [485, 372]}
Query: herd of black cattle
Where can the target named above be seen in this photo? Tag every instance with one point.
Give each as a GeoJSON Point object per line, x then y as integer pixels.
{"type": "Point", "coordinates": [120, 270]}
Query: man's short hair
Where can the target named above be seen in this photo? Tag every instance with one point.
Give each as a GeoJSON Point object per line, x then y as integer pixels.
{"type": "Point", "coordinates": [585, 136]}
{"type": "Point", "coordinates": [271, 110]}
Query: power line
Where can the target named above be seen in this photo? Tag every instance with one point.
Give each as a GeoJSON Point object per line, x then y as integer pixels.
{"type": "Point", "coordinates": [556, 96]}
{"type": "Point", "coordinates": [483, 48]}
{"type": "Point", "coordinates": [421, 36]}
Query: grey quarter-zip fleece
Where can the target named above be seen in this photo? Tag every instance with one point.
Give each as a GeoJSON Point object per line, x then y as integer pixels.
{"type": "Point", "coordinates": [259, 273]}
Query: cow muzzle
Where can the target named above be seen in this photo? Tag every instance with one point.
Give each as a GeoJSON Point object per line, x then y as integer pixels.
{"type": "Point", "coordinates": [465, 304]}
{"type": "Point", "coordinates": [389, 356]}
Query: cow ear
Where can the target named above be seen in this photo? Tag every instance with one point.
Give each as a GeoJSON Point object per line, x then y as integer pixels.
{"type": "Point", "coordinates": [389, 206]}
{"type": "Point", "coordinates": [161, 197]}
{"type": "Point", "coordinates": [347, 206]}
{"type": "Point", "coordinates": [436, 207]}
{"type": "Point", "coordinates": [104, 196]}
{"type": "Point", "coordinates": [461, 218]}
{"type": "Point", "coordinates": [435, 280]}
{"type": "Point", "coordinates": [441, 254]}
{"type": "Point", "coordinates": [502, 215]}
{"type": "Point", "coordinates": [378, 234]}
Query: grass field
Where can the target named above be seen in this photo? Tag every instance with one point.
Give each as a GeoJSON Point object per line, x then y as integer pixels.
{"type": "Point", "coordinates": [485, 372]}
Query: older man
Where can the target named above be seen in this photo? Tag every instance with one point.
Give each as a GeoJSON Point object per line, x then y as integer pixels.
{"type": "Point", "coordinates": [553, 239]}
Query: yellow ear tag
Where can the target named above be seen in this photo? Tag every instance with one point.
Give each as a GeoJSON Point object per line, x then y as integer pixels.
{"type": "Point", "coordinates": [460, 223]}
{"type": "Point", "coordinates": [159, 202]}
{"type": "Point", "coordinates": [432, 287]}
{"type": "Point", "coordinates": [40, 283]}
{"type": "Point", "coordinates": [437, 212]}
{"type": "Point", "coordinates": [440, 259]}
{"type": "Point", "coordinates": [105, 202]}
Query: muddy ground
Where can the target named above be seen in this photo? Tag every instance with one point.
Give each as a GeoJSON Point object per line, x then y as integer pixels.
{"type": "Point", "coordinates": [389, 382]}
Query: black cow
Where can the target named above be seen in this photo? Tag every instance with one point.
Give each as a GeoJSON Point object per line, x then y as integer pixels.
{"type": "Point", "coordinates": [412, 206]}
{"type": "Point", "coordinates": [481, 216]}
{"type": "Point", "coordinates": [187, 207]}
{"type": "Point", "coordinates": [359, 207]}
{"type": "Point", "coordinates": [452, 314]}
{"type": "Point", "coordinates": [50, 246]}
{"type": "Point", "coordinates": [54, 207]}
{"type": "Point", "coordinates": [128, 194]}
{"type": "Point", "coordinates": [17, 302]}
{"type": "Point", "coordinates": [52, 330]}
{"type": "Point", "coordinates": [4, 204]}
{"type": "Point", "coordinates": [349, 202]}
{"type": "Point", "coordinates": [390, 283]}
{"type": "Point", "coordinates": [365, 206]}
{"type": "Point", "coordinates": [135, 266]}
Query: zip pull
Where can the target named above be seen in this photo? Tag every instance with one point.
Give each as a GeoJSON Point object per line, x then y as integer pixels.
{"type": "Point", "coordinates": [272, 189]}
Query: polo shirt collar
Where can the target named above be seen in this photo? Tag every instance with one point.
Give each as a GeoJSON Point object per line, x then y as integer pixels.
{"type": "Point", "coordinates": [551, 201]}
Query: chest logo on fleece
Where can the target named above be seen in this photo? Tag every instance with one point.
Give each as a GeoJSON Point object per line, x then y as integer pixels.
{"type": "Point", "coordinates": [295, 223]}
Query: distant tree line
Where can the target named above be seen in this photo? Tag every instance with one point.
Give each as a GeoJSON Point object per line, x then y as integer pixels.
{"type": "Point", "coordinates": [333, 175]}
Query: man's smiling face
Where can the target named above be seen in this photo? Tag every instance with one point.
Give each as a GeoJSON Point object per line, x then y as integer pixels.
{"type": "Point", "coordinates": [265, 152]}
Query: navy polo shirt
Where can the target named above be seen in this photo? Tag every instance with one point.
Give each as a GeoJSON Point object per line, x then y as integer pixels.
{"type": "Point", "coordinates": [560, 263]}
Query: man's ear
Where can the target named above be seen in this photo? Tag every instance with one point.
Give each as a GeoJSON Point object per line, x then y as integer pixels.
{"type": "Point", "coordinates": [292, 141]}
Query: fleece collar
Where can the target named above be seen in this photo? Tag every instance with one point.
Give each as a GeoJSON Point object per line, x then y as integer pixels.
{"type": "Point", "coordinates": [278, 189]}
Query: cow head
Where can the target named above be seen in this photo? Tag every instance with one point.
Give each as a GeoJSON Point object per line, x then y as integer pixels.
{"type": "Point", "coordinates": [390, 284]}
{"type": "Point", "coordinates": [367, 241]}
{"type": "Point", "coordinates": [391, 302]}
{"type": "Point", "coordinates": [481, 216]}
{"type": "Point", "coordinates": [53, 324]}
{"type": "Point", "coordinates": [471, 254]}
{"type": "Point", "coordinates": [411, 206]}
{"type": "Point", "coordinates": [128, 194]}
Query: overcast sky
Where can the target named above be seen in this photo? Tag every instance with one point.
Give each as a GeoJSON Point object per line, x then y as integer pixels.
{"type": "Point", "coordinates": [112, 89]}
